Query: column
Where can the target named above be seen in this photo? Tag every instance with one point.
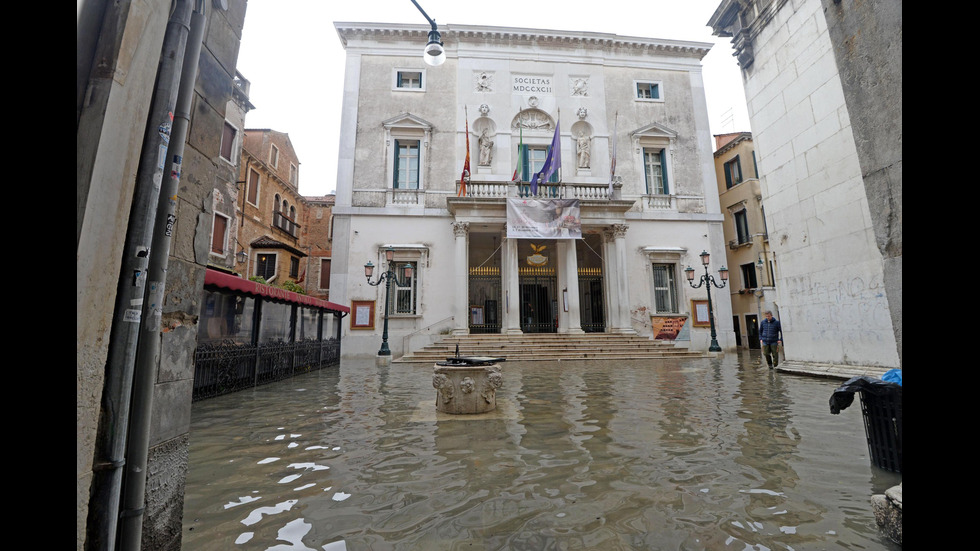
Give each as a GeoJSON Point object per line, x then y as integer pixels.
{"type": "Point", "coordinates": [610, 281]}
{"type": "Point", "coordinates": [462, 270]}
{"type": "Point", "coordinates": [573, 318]}
{"type": "Point", "coordinates": [622, 279]}
{"type": "Point", "coordinates": [510, 281]}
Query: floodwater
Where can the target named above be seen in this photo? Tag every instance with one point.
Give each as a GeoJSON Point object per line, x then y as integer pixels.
{"type": "Point", "coordinates": [645, 455]}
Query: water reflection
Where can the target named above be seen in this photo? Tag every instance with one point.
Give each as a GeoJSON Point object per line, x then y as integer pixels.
{"type": "Point", "coordinates": [705, 454]}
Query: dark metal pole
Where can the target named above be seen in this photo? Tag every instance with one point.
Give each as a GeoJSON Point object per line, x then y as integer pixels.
{"type": "Point", "coordinates": [427, 18]}
{"type": "Point", "coordinates": [385, 351]}
{"type": "Point", "coordinates": [714, 347]}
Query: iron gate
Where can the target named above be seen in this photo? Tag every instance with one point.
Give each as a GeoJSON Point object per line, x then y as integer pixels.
{"type": "Point", "coordinates": [539, 299]}
{"type": "Point", "coordinates": [591, 304]}
{"type": "Point", "coordinates": [485, 312]}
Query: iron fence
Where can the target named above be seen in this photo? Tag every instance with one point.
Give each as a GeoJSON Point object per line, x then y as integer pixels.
{"type": "Point", "coordinates": [226, 366]}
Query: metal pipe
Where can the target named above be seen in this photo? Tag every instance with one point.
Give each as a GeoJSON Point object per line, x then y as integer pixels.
{"type": "Point", "coordinates": [150, 336]}
{"type": "Point", "coordinates": [120, 362]}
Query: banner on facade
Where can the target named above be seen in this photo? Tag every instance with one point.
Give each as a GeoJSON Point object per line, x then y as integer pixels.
{"type": "Point", "coordinates": [544, 218]}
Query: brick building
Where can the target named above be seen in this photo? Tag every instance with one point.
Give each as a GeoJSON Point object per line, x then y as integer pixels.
{"type": "Point", "coordinates": [317, 238]}
{"type": "Point", "coordinates": [270, 208]}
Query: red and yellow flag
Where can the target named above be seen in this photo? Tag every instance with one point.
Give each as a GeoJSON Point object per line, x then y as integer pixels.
{"type": "Point", "coordinates": [466, 164]}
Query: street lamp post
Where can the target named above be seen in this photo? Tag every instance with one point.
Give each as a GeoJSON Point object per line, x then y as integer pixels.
{"type": "Point", "coordinates": [708, 280]}
{"type": "Point", "coordinates": [387, 276]}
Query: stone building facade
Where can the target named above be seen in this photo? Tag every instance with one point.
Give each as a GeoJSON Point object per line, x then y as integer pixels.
{"type": "Point", "coordinates": [752, 264]}
{"type": "Point", "coordinates": [403, 146]}
{"type": "Point", "coordinates": [823, 84]}
{"type": "Point", "coordinates": [271, 208]}
{"type": "Point", "coordinates": [131, 64]}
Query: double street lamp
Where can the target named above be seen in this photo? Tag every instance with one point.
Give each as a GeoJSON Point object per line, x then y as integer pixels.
{"type": "Point", "coordinates": [388, 276]}
{"type": "Point", "coordinates": [708, 280]}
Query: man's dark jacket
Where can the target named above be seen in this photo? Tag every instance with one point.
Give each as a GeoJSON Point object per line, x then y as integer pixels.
{"type": "Point", "coordinates": [770, 332]}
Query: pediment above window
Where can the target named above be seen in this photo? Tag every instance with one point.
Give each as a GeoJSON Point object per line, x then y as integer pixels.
{"type": "Point", "coordinates": [654, 130]}
{"type": "Point", "coordinates": [408, 121]}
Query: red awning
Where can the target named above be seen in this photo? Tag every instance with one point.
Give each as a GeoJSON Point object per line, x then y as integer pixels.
{"type": "Point", "coordinates": [235, 283]}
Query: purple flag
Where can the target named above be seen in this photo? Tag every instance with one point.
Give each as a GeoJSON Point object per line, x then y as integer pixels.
{"type": "Point", "coordinates": [551, 163]}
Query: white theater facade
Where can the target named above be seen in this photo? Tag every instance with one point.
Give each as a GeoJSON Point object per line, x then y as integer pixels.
{"type": "Point", "coordinates": [403, 147]}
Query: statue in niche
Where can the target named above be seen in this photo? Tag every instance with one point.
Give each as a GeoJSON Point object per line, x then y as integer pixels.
{"type": "Point", "coordinates": [486, 148]}
{"type": "Point", "coordinates": [584, 146]}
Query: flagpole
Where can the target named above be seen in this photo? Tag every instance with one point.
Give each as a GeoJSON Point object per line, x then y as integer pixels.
{"type": "Point", "coordinates": [466, 163]}
{"type": "Point", "coordinates": [612, 159]}
{"type": "Point", "coordinates": [558, 127]}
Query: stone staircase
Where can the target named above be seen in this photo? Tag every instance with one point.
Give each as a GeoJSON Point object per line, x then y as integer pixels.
{"type": "Point", "coordinates": [550, 346]}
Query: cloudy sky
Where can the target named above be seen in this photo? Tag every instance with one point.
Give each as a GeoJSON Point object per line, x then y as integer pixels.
{"type": "Point", "coordinates": [291, 54]}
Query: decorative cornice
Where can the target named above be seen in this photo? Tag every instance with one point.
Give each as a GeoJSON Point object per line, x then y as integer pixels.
{"type": "Point", "coordinates": [466, 34]}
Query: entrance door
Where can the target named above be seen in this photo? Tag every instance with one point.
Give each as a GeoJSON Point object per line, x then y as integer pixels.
{"type": "Point", "coordinates": [590, 300]}
{"type": "Point", "coordinates": [738, 331]}
{"type": "Point", "coordinates": [752, 330]}
{"type": "Point", "coordinates": [484, 300]}
{"type": "Point", "coordinates": [539, 301]}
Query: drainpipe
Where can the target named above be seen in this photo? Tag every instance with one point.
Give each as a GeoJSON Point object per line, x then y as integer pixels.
{"type": "Point", "coordinates": [150, 335]}
{"type": "Point", "coordinates": [120, 362]}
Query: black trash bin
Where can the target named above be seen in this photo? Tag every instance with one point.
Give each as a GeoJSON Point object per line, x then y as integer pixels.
{"type": "Point", "coordinates": [881, 405]}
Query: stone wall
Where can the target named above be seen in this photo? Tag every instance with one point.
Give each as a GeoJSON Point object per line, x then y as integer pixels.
{"type": "Point", "coordinates": [867, 44]}
{"type": "Point", "coordinates": [833, 302]}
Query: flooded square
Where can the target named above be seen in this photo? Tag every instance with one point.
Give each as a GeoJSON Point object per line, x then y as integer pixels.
{"type": "Point", "coordinates": [699, 454]}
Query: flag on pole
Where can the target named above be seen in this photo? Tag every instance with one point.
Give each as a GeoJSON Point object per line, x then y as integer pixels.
{"type": "Point", "coordinates": [520, 147]}
{"type": "Point", "coordinates": [612, 155]}
{"type": "Point", "coordinates": [466, 164]}
{"type": "Point", "coordinates": [551, 163]}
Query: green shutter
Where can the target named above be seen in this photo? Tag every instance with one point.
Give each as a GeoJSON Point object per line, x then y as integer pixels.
{"type": "Point", "coordinates": [728, 175]}
{"type": "Point", "coordinates": [394, 183]}
{"type": "Point", "coordinates": [525, 163]}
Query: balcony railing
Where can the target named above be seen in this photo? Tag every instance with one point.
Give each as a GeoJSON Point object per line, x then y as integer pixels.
{"type": "Point", "coordinates": [502, 190]}
{"type": "Point", "coordinates": [284, 223]}
{"type": "Point", "coordinates": [661, 202]}
{"type": "Point", "coordinates": [405, 197]}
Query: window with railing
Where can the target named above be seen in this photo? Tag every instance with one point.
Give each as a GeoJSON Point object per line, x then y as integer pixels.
{"type": "Point", "coordinates": [749, 280]}
{"type": "Point", "coordinates": [742, 227]}
{"type": "Point", "coordinates": [285, 223]}
{"type": "Point", "coordinates": [406, 164]}
{"type": "Point", "coordinates": [664, 289]}
{"type": "Point", "coordinates": [655, 171]}
{"type": "Point", "coordinates": [402, 298]}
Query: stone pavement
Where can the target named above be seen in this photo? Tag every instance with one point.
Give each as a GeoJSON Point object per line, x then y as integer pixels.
{"type": "Point", "coordinates": [832, 371]}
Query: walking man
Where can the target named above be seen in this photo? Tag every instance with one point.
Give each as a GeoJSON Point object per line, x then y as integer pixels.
{"type": "Point", "coordinates": [771, 336]}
